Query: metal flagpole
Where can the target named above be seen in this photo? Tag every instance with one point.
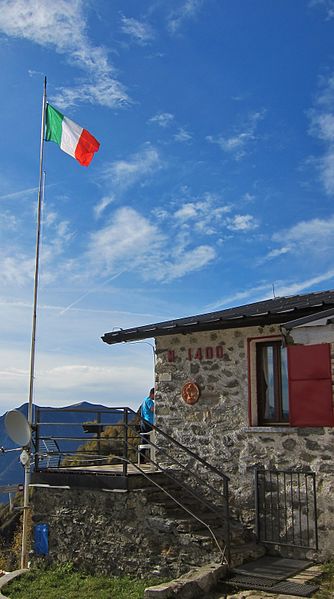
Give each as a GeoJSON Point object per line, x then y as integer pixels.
{"type": "Point", "coordinates": [25, 526]}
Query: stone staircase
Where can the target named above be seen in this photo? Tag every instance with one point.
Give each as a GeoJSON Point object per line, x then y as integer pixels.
{"type": "Point", "coordinates": [190, 542]}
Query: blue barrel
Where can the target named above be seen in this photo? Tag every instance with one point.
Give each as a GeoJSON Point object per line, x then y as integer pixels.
{"type": "Point", "coordinates": [41, 539]}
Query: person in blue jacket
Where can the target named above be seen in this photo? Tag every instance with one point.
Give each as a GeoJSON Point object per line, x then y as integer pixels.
{"type": "Point", "coordinates": [147, 416]}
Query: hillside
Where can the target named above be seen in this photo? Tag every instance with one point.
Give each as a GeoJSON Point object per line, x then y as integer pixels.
{"type": "Point", "coordinates": [11, 470]}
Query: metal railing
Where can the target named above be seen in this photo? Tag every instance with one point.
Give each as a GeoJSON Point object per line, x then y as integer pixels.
{"type": "Point", "coordinates": [286, 508]}
{"type": "Point", "coordinates": [108, 440]}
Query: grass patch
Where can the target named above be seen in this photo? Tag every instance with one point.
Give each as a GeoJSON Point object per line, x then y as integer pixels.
{"type": "Point", "coordinates": [327, 584]}
{"type": "Point", "coordinates": [62, 582]}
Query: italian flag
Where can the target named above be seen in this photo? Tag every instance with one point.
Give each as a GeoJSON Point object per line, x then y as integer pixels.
{"type": "Point", "coordinates": [72, 139]}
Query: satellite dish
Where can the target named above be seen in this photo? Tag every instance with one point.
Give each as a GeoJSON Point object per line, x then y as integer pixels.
{"type": "Point", "coordinates": [18, 428]}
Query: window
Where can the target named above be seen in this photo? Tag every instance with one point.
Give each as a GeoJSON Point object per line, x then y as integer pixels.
{"type": "Point", "coordinates": [272, 383]}
{"type": "Point", "coordinates": [290, 386]}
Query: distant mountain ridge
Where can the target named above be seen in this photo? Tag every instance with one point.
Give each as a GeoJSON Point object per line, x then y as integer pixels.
{"type": "Point", "coordinates": [11, 470]}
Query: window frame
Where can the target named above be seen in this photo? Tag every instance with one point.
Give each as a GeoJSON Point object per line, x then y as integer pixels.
{"type": "Point", "coordinates": [252, 375]}
{"type": "Point", "coordinates": [278, 418]}
{"type": "Point", "coordinates": [300, 415]}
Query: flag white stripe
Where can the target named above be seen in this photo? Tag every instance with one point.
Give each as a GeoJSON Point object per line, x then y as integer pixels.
{"type": "Point", "coordinates": [71, 133]}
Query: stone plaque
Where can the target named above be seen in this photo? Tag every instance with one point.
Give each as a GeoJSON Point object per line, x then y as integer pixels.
{"type": "Point", "coordinates": [165, 377]}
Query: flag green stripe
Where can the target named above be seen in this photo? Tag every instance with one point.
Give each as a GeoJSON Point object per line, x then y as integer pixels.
{"type": "Point", "coordinates": [54, 121]}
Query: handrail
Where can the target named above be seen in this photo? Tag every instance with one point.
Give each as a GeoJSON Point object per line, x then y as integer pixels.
{"type": "Point", "coordinates": [130, 410]}
{"type": "Point", "coordinates": [120, 448]}
{"type": "Point", "coordinates": [222, 551]}
{"type": "Point", "coordinates": [185, 449]}
{"type": "Point", "coordinates": [184, 486]}
{"type": "Point", "coordinates": [195, 475]}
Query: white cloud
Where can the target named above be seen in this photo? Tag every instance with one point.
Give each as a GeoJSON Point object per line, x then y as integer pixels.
{"type": "Point", "coordinates": [327, 171]}
{"type": "Point", "coordinates": [326, 92]}
{"type": "Point", "coordinates": [316, 233]}
{"type": "Point", "coordinates": [75, 376]}
{"type": "Point", "coordinates": [17, 263]}
{"type": "Point", "coordinates": [104, 90]}
{"type": "Point", "coordinates": [125, 243]}
{"type": "Point", "coordinates": [187, 262]}
{"type": "Point", "coordinates": [313, 238]}
{"type": "Point", "coordinates": [242, 222]}
{"type": "Point", "coordinates": [279, 252]}
{"type": "Point", "coordinates": [182, 135]}
{"type": "Point", "coordinates": [70, 350]}
{"type": "Point", "coordinates": [17, 195]}
{"type": "Point", "coordinates": [187, 211]}
{"type": "Point", "coordinates": [188, 10]}
{"type": "Point", "coordinates": [62, 25]}
{"type": "Point", "coordinates": [161, 214]}
{"type": "Point", "coordinates": [166, 119]}
{"type": "Point", "coordinates": [285, 288]}
{"type": "Point", "coordinates": [266, 291]}
{"type": "Point", "coordinates": [66, 378]}
{"type": "Point", "coordinates": [328, 5]}
{"type": "Point", "coordinates": [8, 221]}
{"type": "Point", "coordinates": [205, 215]}
{"type": "Point", "coordinates": [17, 269]}
{"type": "Point", "coordinates": [140, 31]}
{"type": "Point", "coordinates": [322, 127]}
{"type": "Point", "coordinates": [102, 205]}
{"type": "Point", "coordinates": [248, 198]}
{"type": "Point", "coordinates": [163, 119]}
{"type": "Point", "coordinates": [53, 247]}
{"type": "Point", "coordinates": [254, 294]}
{"type": "Point", "coordinates": [124, 173]}
{"type": "Point", "coordinates": [130, 242]}
{"type": "Point", "coordinates": [237, 144]}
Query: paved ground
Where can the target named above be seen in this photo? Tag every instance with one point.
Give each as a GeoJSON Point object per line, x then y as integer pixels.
{"type": "Point", "coordinates": [7, 577]}
{"type": "Point", "coordinates": [254, 595]}
{"type": "Point", "coordinates": [309, 575]}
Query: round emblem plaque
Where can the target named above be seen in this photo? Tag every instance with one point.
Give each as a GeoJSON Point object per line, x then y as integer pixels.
{"type": "Point", "coordinates": [190, 393]}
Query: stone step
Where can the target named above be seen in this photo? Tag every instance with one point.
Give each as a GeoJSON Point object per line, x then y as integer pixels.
{"type": "Point", "coordinates": [173, 496]}
{"type": "Point", "coordinates": [196, 527]}
{"type": "Point", "coordinates": [177, 511]}
{"type": "Point", "coordinates": [244, 552]}
{"type": "Point", "coordinates": [139, 482]}
{"type": "Point", "coordinates": [151, 489]}
{"type": "Point", "coordinates": [166, 499]}
{"type": "Point", "coordinates": [183, 518]}
{"type": "Point", "coordinates": [171, 518]}
{"type": "Point", "coordinates": [196, 583]}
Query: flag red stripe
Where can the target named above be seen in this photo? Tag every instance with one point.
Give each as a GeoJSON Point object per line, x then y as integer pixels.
{"type": "Point", "coordinates": [86, 148]}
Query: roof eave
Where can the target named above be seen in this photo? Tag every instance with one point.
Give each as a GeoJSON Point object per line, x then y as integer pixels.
{"type": "Point", "coordinates": [172, 328]}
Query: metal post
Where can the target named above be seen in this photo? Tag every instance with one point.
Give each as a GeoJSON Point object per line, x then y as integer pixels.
{"type": "Point", "coordinates": [24, 559]}
{"type": "Point", "coordinates": [125, 452]}
{"type": "Point", "coordinates": [315, 512]}
{"type": "Point", "coordinates": [227, 521]}
{"type": "Point", "coordinates": [257, 504]}
{"type": "Point", "coordinates": [36, 429]}
{"type": "Point", "coordinates": [98, 420]}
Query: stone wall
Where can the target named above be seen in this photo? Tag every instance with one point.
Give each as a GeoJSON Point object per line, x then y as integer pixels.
{"type": "Point", "coordinates": [217, 427]}
{"type": "Point", "coordinates": [118, 533]}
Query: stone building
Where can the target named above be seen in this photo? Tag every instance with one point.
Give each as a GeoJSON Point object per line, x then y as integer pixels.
{"type": "Point", "coordinates": [231, 388]}
{"type": "Point", "coordinates": [243, 449]}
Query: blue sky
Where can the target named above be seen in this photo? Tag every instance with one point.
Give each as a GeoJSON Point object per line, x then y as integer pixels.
{"type": "Point", "coordinates": [214, 181]}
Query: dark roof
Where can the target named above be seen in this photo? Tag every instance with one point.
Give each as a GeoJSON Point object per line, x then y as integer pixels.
{"type": "Point", "coordinates": [327, 315]}
{"type": "Point", "coordinates": [273, 311]}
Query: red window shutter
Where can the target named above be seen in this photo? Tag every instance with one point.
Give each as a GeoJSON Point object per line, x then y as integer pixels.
{"type": "Point", "coordinates": [310, 385]}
